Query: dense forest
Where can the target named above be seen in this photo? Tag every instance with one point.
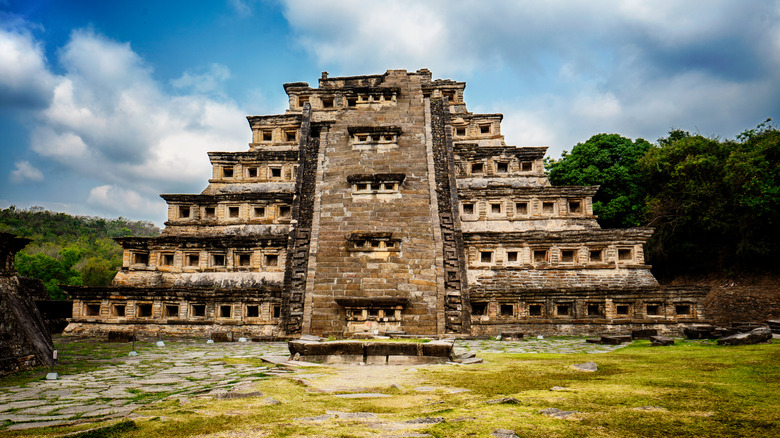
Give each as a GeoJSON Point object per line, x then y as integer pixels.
{"type": "Point", "coordinates": [67, 249]}
{"type": "Point", "coordinates": [715, 203]}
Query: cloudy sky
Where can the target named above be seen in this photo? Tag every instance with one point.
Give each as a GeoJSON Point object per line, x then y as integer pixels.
{"type": "Point", "coordinates": [106, 104]}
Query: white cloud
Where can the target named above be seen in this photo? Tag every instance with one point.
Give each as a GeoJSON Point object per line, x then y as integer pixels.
{"type": "Point", "coordinates": [357, 35]}
{"type": "Point", "coordinates": [241, 7]}
{"type": "Point", "coordinates": [710, 106]}
{"type": "Point", "coordinates": [208, 81]}
{"type": "Point", "coordinates": [596, 106]}
{"type": "Point", "coordinates": [526, 128]}
{"type": "Point", "coordinates": [123, 201]}
{"type": "Point", "coordinates": [24, 78]}
{"type": "Point", "coordinates": [109, 121]}
{"type": "Point", "coordinates": [25, 172]}
{"type": "Point", "coordinates": [578, 68]}
{"type": "Point", "coordinates": [63, 146]}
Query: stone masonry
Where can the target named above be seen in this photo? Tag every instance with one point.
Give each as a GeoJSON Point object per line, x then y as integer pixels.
{"type": "Point", "coordinates": [24, 339]}
{"type": "Point", "coordinates": [379, 205]}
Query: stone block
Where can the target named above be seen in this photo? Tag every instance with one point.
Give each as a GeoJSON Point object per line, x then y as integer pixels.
{"type": "Point", "coordinates": [297, 347]}
{"type": "Point", "coordinates": [391, 348]}
{"type": "Point", "coordinates": [643, 333]}
{"type": "Point", "coordinates": [661, 341]}
{"type": "Point", "coordinates": [335, 348]}
{"type": "Point", "coordinates": [437, 349]}
{"type": "Point", "coordinates": [760, 334]}
{"type": "Point", "coordinates": [615, 339]}
{"type": "Point", "coordinates": [699, 332]}
{"type": "Point", "coordinates": [222, 337]}
{"type": "Point", "coordinates": [343, 359]}
{"type": "Point", "coordinates": [415, 360]}
{"type": "Point", "coordinates": [376, 360]}
{"type": "Point", "coordinates": [401, 360]}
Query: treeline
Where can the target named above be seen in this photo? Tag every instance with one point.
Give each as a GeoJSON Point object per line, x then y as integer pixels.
{"type": "Point", "coordinates": [69, 250]}
{"type": "Point", "coordinates": [715, 203]}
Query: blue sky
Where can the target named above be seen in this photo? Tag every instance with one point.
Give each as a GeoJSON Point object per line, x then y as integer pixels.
{"type": "Point", "coordinates": [105, 105]}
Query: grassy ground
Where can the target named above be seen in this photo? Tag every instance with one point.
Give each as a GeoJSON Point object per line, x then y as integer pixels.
{"type": "Point", "coordinates": [692, 389]}
{"type": "Point", "coordinates": [695, 389]}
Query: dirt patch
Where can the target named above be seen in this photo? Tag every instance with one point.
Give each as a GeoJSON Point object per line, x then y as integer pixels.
{"type": "Point", "coordinates": [361, 378]}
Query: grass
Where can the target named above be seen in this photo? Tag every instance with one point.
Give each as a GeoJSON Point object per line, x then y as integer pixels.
{"type": "Point", "coordinates": [692, 389]}
{"type": "Point", "coordinates": [702, 390]}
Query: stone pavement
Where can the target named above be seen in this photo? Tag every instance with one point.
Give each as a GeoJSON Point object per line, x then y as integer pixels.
{"type": "Point", "coordinates": [183, 370]}
{"type": "Point", "coordinates": [565, 345]}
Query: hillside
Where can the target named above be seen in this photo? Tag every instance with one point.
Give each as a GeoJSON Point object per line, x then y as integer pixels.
{"type": "Point", "coordinates": [65, 249]}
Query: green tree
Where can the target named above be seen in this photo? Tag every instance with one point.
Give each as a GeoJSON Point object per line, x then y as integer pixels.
{"type": "Point", "coordinates": [98, 272]}
{"type": "Point", "coordinates": [715, 204]}
{"type": "Point", "coordinates": [69, 249]}
{"type": "Point", "coordinates": [52, 271]}
{"type": "Point", "coordinates": [753, 173]}
{"type": "Point", "coordinates": [611, 162]}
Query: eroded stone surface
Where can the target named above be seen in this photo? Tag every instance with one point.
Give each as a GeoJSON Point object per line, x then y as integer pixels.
{"type": "Point", "coordinates": [504, 401]}
{"type": "Point", "coordinates": [587, 366]}
{"type": "Point", "coordinates": [760, 334]}
{"type": "Point", "coordinates": [363, 395]}
{"type": "Point", "coordinates": [504, 433]}
{"type": "Point", "coordinates": [557, 413]}
{"type": "Point", "coordinates": [108, 392]}
{"type": "Point", "coordinates": [427, 420]}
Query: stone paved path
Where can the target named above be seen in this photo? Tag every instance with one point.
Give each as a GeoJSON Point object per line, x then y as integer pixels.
{"type": "Point", "coordinates": [533, 345]}
{"type": "Point", "coordinates": [184, 369]}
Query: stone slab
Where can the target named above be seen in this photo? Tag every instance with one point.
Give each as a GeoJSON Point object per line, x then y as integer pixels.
{"type": "Point", "coordinates": [557, 413]}
{"type": "Point", "coordinates": [587, 366]}
{"type": "Point", "coordinates": [661, 341]}
{"type": "Point", "coordinates": [760, 334]}
{"type": "Point", "coordinates": [37, 424]}
{"type": "Point", "coordinates": [363, 395]}
{"type": "Point", "coordinates": [22, 404]}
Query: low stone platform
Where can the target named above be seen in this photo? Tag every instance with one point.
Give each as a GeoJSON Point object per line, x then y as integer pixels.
{"type": "Point", "coordinates": [375, 353]}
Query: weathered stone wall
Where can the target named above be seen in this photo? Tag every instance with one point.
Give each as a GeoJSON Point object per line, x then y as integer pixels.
{"type": "Point", "coordinates": [229, 261]}
{"type": "Point", "coordinates": [587, 311]}
{"type": "Point", "coordinates": [181, 311]}
{"type": "Point", "coordinates": [299, 243]}
{"type": "Point", "coordinates": [24, 338]}
{"type": "Point", "coordinates": [16, 351]}
{"type": "Point", "coordinates": [509, 279]}
{"type": "Point", "coordinates": [406, 272]}
{"type": "Point", "coordinates": [456, 308]}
